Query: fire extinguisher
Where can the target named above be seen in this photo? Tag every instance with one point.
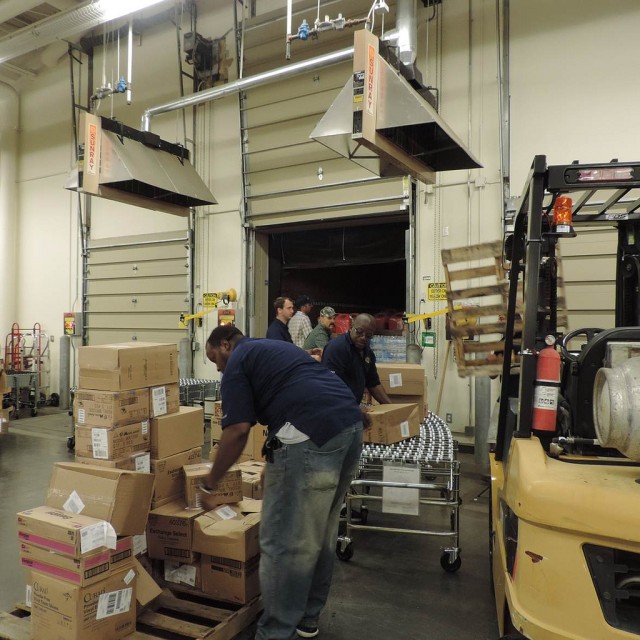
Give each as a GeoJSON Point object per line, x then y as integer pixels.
{"type": "Point", "coordinates": [547, 386]}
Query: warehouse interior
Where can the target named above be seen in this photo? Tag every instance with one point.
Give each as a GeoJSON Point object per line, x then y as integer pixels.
{"type": "Point", "coordinates": [267, 197]}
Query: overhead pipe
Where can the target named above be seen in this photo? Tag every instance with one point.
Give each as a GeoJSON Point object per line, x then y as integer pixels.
{"type": "Point", "coordinates": [129, 60]}
{"type": "Point", "coordinates": [406, 32]}
{"type": "Point", "coordinates": [243, 84]}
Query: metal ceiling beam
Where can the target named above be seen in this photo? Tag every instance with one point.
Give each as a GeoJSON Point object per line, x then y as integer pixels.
{"type": "Point", "coordinates": [11, 8]}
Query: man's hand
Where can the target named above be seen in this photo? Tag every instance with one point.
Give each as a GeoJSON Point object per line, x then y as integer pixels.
{"type": "Point", "coordinates": [366, 418]}
{"type": "Point", "coordinates": [209, 501]}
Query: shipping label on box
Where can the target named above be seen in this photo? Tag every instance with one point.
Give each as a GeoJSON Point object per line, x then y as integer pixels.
{"type": "Point", "coordinates": [73, 535]}
{"type": "Point", "coordinates": [170, 532]}
{"type": "Point", "coordinates": [402, 379]}
{"type": "Point", "coordinates": [110, 408]}
{"type": "Point", "coordinates": [228, 531]}
{"type": "Point", "coordinates": [177, 432]}
{"type": "Point", "coordinates": [392, 423]}
{"type": "Point", "coordinates": [184, 574]}
{"type": "Point", "coordinates": [164, 400]}
{"type": "Point", "coordinates": [103, 611]}
{"type": "Point", "coordinates": [120, 497]}
{"type": "Point", "coordinates": [130, 365]}
{"type": "Point", "coordinates": [169, 474]}
{"type": "Point", "coordinates": [139, 461]}
{"type": "Point", "coordinates": [230, 580]}
{"type": "Point", "coordinates": [111, 443]}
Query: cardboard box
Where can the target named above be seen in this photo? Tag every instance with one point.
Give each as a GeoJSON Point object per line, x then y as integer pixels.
{"type": "Point", "coordinates": [217, 409]}
{"type": "Point", "coordinates": [177, 432]}
{"type": "Point", "coordinates": [216, 430]}
{"type": "Point", "coordinates": [164, 399]}
{"type": "Point", "coordinates": [110, 408]}
{"type": "Point", "coordinates": [4, 384]}
{"type": "Point", "coordinates": [103, 611]}
{"type": "Point", "coordinates": [229, 531]}
{"type": "Point", "coordinates": [130, 365]}
{"type": "Point", "coordinates": [402, 379]}
{"type": "Point", "coordinates": [231, 580]}
{"type": "Point", "coordinates": [169, 475]}
{"type": "Point", "coordinates": [213, 452]}
{"type": "Point", "coordinates": [392, 423]}
{"type": "Point", "coordinates": [111, 443]}
{"type": "Point", "coordinates": [139, 461]}
{"type": "Point", "coordinates": [4, 421]}
{"type": "Point", "coordinates": [92, 568]}
{"type": "Point", "coordinates": [120, 497]}
{"type": "Point", "coordinates": [170, 532]}
{"type": "Point", "coordinates": [147, 590]}
{"type": "Point", "coordinates": [229, 489]}
{"type": "Point", "coordinates": [259, 433]}
{"type": "Point", "coordinates": [252, 478]}
{"type": "Point", "coordinates": [421, 401]}
{"type": "Point", "coordinates": [72, 535]}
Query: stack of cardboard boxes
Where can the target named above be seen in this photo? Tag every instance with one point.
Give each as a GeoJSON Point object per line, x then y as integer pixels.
{"type": "Point", "coordinates": [253, 448]}
{"type": "Point", "coordinates": [405, 384]}
{"type": "Point", "coordinates": [83, 579]}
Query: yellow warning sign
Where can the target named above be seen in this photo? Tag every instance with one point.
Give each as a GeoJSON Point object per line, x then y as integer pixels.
{"type": "Point", "coordinates": [437, 291]}
{"type": "Point", "coordinates": [210, 300]}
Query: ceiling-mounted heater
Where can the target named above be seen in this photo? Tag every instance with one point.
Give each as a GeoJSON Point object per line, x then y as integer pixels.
{"type": "Point", "coordinates": [136, 167]}
{"type": "Point", "coordinates": [383, 124]}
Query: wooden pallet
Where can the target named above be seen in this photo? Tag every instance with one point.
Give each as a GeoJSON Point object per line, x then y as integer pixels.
{"type": "Point", "coordinates": [172, 617]}
{"type": "Point", "coordinates": [478, 293]}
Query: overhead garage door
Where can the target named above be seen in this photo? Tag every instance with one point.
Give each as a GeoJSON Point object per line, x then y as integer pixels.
{"type": "Point", "coordinates": [137, 287]}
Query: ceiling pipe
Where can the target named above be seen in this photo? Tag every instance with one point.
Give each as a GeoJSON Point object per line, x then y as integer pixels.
{"type": "Point", "coordinates": [405, 35]}
{"type": "Point", "coordinates": [247, 83]}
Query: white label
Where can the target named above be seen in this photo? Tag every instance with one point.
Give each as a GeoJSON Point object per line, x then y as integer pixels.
{"type": "Point", "coordinates": [395, 380]}
{"type": "Point", "coordinates": [139, 544]}
{"type": "Point", "coordinates": [113, 603]}
{"type": "Point", "coordinates": [404, 428]}
{"type": "Point", "coordinates": [179, 573]}
{"type": "Point", "coordinates": [74, 503]}
{"type": "Point", "coordinates": [159, 399]}
{"type": "Point", "coordinates": [27, 596]}
{"type": "Point", "coordinates": [145, 427]}
{"type": "Point", "coordinates": [226, 512]}
{"type": "Point", "coordinates": [545, 398]}
{"type": "Point", "coordinates": [400, 499]}
{"type": "Point", "coordinates": [129, 577]}
{"type": "Point", "coordinates": [81, 416]}
{"type": "Point", "coordinates": [143, 463]}
{"type": "Point", "coordinates": [100, 444]}
{"type": "Point", "coordinates": [92, 537]}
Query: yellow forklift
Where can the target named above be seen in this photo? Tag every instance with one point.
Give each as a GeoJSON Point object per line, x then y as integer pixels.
{"type": "Point", "coordinates": [565, 467]}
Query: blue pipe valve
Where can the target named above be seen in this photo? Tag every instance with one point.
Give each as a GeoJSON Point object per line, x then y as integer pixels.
{"type": "Point", "coordinates": [121, 86]}
{"type": "Point", "coordinates": [303, 30]}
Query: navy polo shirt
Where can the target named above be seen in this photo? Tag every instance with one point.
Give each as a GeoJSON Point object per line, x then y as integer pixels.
{"type": "Point", "coordinates": [274, 382]}
{"type": "Point", "coordinates": [356, 368]}
{"type": "Point", "coordinates": [278, 331]}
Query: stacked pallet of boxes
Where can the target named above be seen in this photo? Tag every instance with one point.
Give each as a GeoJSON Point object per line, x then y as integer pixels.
{"type": "Point", "coordinates": [83, 580]}
{"type": "Point", "coordinates": [405, 384]}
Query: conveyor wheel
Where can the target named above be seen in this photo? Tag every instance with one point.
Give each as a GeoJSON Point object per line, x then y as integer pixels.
{"type": "Point", "coordinates": [344, 551]}
{"type": "Point", "coordinates": [447, 565]}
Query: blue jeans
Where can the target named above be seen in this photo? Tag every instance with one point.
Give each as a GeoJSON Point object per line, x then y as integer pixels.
{"type": "Point", "coordinates": [303, 492]}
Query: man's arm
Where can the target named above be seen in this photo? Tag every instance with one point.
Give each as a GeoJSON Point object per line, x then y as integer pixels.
{"type": "Point", "coordinates": [234, 438]}
{"type": "Point", "coordinates": [380, 394]}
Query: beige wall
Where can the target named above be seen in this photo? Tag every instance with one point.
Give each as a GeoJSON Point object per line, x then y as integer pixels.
{"type": "Point", "coordinates": [572, 96]}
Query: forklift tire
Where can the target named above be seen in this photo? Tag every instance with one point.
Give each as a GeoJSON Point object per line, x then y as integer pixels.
{"type": "Point", "coordinates": [447, 565]}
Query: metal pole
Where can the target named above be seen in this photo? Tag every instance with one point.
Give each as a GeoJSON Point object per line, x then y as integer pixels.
{"type": "Point", "coordinates": [483, 416]}
{"type": "Point", "coordinates": [259, 79]}
{"type": "Point", "coordinates": [65, 371]}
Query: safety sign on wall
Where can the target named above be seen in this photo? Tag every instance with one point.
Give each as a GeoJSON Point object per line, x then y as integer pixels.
{"type": "Point", "coordinates": [437, 291]}
{"type": "Point", "coordinates": [210, 300]}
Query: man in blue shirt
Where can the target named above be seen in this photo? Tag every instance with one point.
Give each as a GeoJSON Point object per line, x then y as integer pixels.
{"type": "Point", "coordinates": [313, 448]}
{"type": "Point", "coordinates": [278, 329]}
{"type": "Point", "coordinates": [351, 358]}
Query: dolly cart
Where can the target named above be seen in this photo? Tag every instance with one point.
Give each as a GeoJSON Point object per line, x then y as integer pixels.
{"type": "Point", "coordinates": [434, 452]}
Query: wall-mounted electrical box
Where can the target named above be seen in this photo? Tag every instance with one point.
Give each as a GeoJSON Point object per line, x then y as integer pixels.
{"type": "Point", "coordinates": [73, 323]}
{"type": "Point", "coordinates": [226, 316]}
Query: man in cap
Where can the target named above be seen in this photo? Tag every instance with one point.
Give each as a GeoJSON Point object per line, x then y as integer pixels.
{"type": "Point", "coordinates": [300, 325]}
{"type": "Point", "coordinates": [320, 336]}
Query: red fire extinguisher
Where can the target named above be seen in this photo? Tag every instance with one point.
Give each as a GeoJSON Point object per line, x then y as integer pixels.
{"type": "Point", "coordinates": [547, 387]}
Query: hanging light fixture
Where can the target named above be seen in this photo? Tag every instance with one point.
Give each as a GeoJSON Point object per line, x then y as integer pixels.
{"type": "Point", "coordinates": [68, 23]}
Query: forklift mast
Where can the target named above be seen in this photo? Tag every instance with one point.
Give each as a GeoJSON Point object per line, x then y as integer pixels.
{"type": "Point", "coordinates": [601, 194]}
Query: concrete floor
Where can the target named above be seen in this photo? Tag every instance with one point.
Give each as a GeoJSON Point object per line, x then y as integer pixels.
{"type": "Point", "coordinates": [393, 588]}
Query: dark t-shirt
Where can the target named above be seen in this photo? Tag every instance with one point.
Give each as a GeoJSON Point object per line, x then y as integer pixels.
{"type": "Point", "coordinates": [357, 369]}
{"type": "Point", "coordinates": [278, 331]}
{"type": "Point", "coordinates": [273, 382]}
